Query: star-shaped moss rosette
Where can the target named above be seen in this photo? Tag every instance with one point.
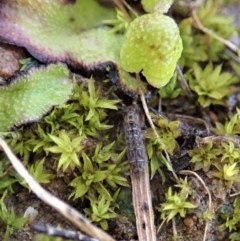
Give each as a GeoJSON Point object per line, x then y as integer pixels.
{"type": "Point", "coordinates": [29, 97]}
{"type": "Point", "coordinates": [153, 46]}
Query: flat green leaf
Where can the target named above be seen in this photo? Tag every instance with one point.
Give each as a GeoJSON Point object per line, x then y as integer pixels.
{"type": "Point", "coordinates": [37, 171]}
{"type": "Point", "coordinates": [153, 46]}
{"type": "Point", "coordinates": [80, 187]}
{"type": "Point", "coordinates": [103, 205]}
{"type": "Point", "coordinates": [80, 191]}
{"type": "Point", "coordinates": [87, 167]}
{"type": "Point", "coordinates": [64, 160]}
{"type": "Point", "coordinates": [102, 190]}
{"type": "Point", "coordinates": [104, 224]}
{"type": "Point", "coordinates": [55, 149]}
{"type": "Point", "coordinates": [29, 97]}
{"type": "Point", "coordinates": [99, 176]}
{"type": "Point", "coordinates": [108, 104]}
{"type": "Point", "coordinates": [63, 144]}
{"type": "Point", "coordinates": [56, 31]}
{"type": "Point", "coordinates": [109, 215]}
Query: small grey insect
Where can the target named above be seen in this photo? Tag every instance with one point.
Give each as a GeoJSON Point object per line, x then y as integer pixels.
{"type": "Point", "coordinates": [136, 151]}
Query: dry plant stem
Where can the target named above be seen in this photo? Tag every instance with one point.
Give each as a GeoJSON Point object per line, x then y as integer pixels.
{"type": "Point", "coordinates": [130, 9]}
{"type": "Point", "coordinates": [183, 83]}
{"type": "Point", "coordinates": [197, 24]}
{"type": "Point", "coordinates": [120, 6]}
{"type": "Point", "coordinates": [59, 232]}
{"type": "Point", "coordinates": [160, 104]}
{"type": "Point", "coordinates": [6, 172]}
{"type": "Point", "coordinates": [138, 161]}
{"type": "Point", "coordinates": [174, 229]}
{"type": "Point", "coordinates": [68, 212]}
{"type": "Point", "coordinates": [217, 140]}
{"type": "Point", "coordinates": [173, 172]}
{"type": "Point", "coordinates": [142, 203]}
{"type": "Point", "coordinates": [145, 107]}
{"type": "Point", "coordinates": [234, 194]}
{"type": "Point", "coordinates": [187, 172]}
{"type": "Point", "coordinates": [160, 226]}
{"type": "Point", "coordinates": [191, 119]}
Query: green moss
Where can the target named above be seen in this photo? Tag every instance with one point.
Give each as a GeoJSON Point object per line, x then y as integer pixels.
{"type": "Point", "coordinates": [210, 84]}
{"type": "Point", "coordinates": [175, 204]}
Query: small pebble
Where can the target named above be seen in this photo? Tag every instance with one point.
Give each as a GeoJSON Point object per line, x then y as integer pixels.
{"type": "Point", "coordinates": [189, 223]}
{"type": "Point", "coordinates": [30, 214]}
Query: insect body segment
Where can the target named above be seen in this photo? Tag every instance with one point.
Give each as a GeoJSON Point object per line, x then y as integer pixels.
{"type": "Point", "coordinates": [136, 151]}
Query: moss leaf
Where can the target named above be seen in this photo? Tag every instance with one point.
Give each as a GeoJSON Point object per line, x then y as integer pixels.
{"type": "Point", "coordinates": [30, 96]}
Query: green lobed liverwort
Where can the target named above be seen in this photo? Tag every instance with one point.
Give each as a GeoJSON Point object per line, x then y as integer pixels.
{"type": "Point", "coordinates": [29, 97]}
{"type": "Point", "coordinates": [153, 46]}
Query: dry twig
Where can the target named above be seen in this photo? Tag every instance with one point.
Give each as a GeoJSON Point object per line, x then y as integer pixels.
{"type": "Point", "coordinates": [138, 161]}
{"type": "Point", "coordinates": [183, 83]}
{"type": "Point", "coordinates": [59, 232]}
